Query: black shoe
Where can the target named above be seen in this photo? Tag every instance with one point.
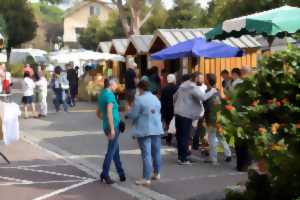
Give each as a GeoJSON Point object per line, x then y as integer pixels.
{"type": "Point", "coordinates": [228, 159]}
{"type": "Point", "coordinates": [123, 178]}
{"type": "Point", "coordinates": [106, 179]}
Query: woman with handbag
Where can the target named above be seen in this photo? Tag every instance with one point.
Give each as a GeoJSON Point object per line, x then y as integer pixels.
{"type": "Point", "coordinates": [108, 108]}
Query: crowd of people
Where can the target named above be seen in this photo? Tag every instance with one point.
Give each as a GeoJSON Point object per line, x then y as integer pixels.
{"type": "Point", "coordinates": [187, 109]}
{"type": "Point", "coordinates": [64, 84]}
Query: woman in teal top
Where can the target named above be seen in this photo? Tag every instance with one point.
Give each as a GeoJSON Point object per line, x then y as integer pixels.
{"type": "Point", "coordinates": [109, 109]}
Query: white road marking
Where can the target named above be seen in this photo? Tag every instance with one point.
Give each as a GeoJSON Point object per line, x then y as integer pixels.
{"type": "Point", "coordinates": [39, 182]}
{"type": "Point", "coordinates": [52, 173]}
{"type": "Point", "coordinates": [14, 179]}
{"type": "Point", "coordinates": [34, 166]}
{"type": "Point", "coordinates": [60, 191]}
{"type": "Point", "coordinates": [137, 192]}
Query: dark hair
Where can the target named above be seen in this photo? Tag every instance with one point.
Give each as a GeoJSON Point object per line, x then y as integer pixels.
{"type": "Point", "coordinates": [185, 77]}
{"type": "Point", "coordinates": [212, 79]}
{"type": "Point", "coordinates": [144, 85]}
{"type": "Point", "coordinates": [26, 74]}
{"type": "Point", "coordinates": [107, 81]}
{"type": "Point", "coordinates": [236, 71]}
{"type": "Point", "coordinates": [194, 76]}
{"type": "Point", "coordinates": [57, 70]}
{"type": "Point", "coordinates": [225, 71]}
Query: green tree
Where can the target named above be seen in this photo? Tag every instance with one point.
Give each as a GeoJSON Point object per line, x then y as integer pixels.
{"type": "Point", "coordinates": [88, 38]}
{"type": "Point", "coordinates": [185, 14]}
{"type": "Point", "coordinates": [49, 13]}
{"type": "Point", "coordinates": [20, 22]}
{"type": "Point", "coordinates": [134, 14]}
{"type": "Point", "coordinates": [52, 1]}
{"type": "Point", "coordinates": [98, 31]}
{"type": "Point", "coordinates": [157, 20]}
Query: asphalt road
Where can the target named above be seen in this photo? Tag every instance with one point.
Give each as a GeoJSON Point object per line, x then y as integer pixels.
{"type": "Point", "coordinates": [77, 137]}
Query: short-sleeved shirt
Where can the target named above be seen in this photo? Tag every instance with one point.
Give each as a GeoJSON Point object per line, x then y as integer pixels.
{"type": "Point", "coordinates": [107, 97]}
{"type": "Point", "coordinates": [130, 77]}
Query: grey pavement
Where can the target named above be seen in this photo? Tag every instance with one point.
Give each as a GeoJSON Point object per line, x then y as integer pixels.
{"type": "Point", "coordinates": [35, 173]}
{"type": "Point", "coordinates": [77, 137]}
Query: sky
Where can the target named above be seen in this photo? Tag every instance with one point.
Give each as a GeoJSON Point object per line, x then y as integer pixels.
{"type": "Point", "coordinates": [167, 3]}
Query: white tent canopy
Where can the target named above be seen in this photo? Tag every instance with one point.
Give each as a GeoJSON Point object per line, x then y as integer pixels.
{"type": "Point", "coordinates": [78, 56]}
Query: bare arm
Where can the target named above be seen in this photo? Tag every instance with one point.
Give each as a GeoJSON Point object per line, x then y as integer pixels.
{"type": "Point", "coordinates": [98, 113]}
{"type": "Point", "coordinates": [110, 121]}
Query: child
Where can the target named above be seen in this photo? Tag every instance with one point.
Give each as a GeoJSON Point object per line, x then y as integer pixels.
{"type": "Point", "coordinates": [212, 107]}
{"type": "Point", "coordinates": [42, 85]}
{"type": "Point", "coordinates": [28, 87]}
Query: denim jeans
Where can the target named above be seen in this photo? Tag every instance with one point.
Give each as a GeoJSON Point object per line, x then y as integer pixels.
{"type": "Point", "coordinates": [113, 154]}
{"type": "Point", "coordinates": [60, 98]}
{"type": "Point", "coordinates": [199, 134]}
{"type": "Point", "coordinates": [183, 128]}
{"type": "Point", "coordinates": [213, 139]}
{"type": "Point", "coordinates": [150, 148]}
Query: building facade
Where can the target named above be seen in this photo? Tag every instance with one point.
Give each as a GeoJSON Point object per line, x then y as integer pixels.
{"type": "Point", "coordinates": [77, 17]}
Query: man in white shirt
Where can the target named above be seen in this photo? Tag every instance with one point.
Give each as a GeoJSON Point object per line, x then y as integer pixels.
{"type": "Point", "coordinates": [28, 88]}
{"type": "Point", "coordinates": [198, 128]}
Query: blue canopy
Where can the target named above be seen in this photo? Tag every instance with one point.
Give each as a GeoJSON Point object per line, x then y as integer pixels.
{"type": "Point", "coordinates": [198, 47]}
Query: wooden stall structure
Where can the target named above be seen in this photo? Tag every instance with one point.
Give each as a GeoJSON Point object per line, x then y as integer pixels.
{"type": "Point", "coordinates": [138, 47]}
{"type": "Point", "coordinates": [104, 47]}
{"type": "Point", "coordinates": [119, 47]}
{"type": "Point", "coordinates": [168, 37]}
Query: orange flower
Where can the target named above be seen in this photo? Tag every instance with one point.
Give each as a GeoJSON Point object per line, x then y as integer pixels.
{"type": "Point", "coordinates": [275, 128]}
{"type": "Point", "coordinates": [229, 107]}
{"type": "Point", "coordinates": [298, 125]}
{"type": "Point", "coordinates": [285, 100]}
{"type": "Point", "coordinates": [226, 98]}
{"type": "Point", "coordinates": [278, 103]}
{"type": "Point", "coordinates": [262, 130]}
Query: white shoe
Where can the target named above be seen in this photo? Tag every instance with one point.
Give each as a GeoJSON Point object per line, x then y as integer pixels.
{"type": "Point", "coordinates": [143, 182]}
{"type": "Point", "coordinates": [156, 177]}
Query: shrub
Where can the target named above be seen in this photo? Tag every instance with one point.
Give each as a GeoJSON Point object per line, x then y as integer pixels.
{"type": "Point", "coordinates": [265, 111]}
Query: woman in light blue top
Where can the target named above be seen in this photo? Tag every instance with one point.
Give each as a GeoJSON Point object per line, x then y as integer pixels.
{"type": "Point", "coordinates": [147, 128]}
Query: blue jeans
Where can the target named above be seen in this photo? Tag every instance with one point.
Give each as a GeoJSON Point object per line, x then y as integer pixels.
{"type": "Point", "coordinates": [60, 98]}
{"type": "Point", "coordinates": [150, 148]}
{"type": "Point", "coordinates": [113, 154]}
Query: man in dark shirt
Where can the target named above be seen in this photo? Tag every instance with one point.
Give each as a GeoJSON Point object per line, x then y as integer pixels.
{"type": "Point", "coordinates": [73, 83]}
{"type": "Point", "coordinates": [130, 82]}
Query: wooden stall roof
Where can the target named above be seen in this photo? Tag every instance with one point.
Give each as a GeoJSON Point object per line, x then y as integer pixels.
{"type": "Point", "coordinates": [104, 46]}
{"type": "Point", "coordinates": [278, 44]}
{"type": "Point", "coordinates": [119, 46]}
{"type": "Point", "coordinates": [138, 44]}
{"type": "Point", "coordinates": [168, 37]}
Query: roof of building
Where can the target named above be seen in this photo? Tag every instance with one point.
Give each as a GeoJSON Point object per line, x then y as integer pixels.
{"type": "Point", "coordinates": [80, 5]}
{"type": "Point", "coordinates": [105, 46]}
{"type": "Point", "coordinates": [120, 45]}
{"type": "Point", "coordinates": [141, 42]}
{"type": "Point", "coordinates": [173, 36]}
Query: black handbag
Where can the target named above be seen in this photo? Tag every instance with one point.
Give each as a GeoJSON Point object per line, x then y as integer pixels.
{"type": "Point", "coordinates": [122, 126]}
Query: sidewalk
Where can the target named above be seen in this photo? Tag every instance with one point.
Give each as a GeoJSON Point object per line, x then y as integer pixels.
{"type": "Point", "coordinates": [35, 173]}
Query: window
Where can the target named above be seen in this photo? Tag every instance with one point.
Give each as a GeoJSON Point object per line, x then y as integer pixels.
{"type": "Point", "coordinates": [78, 31]}
{"type": "Point", "coordinates": [95, 10]}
